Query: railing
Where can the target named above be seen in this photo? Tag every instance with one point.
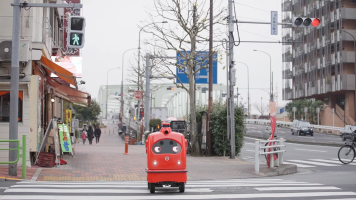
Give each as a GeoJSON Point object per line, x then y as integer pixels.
{"type": "Point", "coordinates": [289, 124]}
{"type": "Point", "coordinates": [275, 148]}
{"type": "Point", "coordinates": [23, 155]}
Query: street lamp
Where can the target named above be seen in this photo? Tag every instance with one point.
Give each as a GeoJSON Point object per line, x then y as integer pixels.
{"type": "Point", "coordinates": [122, 86]}
{"type": "Point", "coordinates": [270, 72]}
{"type": "Point", "coordinates": [107, 89]}
{"type": "Point", "coordinates": [248, 88]}
{"type": "Point", "coordinates": [355, 65]}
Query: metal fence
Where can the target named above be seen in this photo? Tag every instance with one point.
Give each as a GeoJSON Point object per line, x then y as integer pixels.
{"type": "Point", "coordinates": [262, 147]}
{"type": "Point", "coordinates": [289, 124]}
{"type": "Point", "coordinates": [23, 155]}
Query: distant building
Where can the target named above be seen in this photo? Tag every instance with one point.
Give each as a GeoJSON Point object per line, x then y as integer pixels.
{"type": "Point", "coordinates": [320, 64]}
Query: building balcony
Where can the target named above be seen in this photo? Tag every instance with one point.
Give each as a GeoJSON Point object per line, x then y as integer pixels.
{"type": "Point", "coordinates": [345, 36]}
{"type": "Point", "coordinates": [312, 91]}
{"type": "Point", "coordinates": [287, 57]}
{"type": "Point", "coordinates": [348, 56]}
{"type": "Point", "coordinates": [348, 13]}
{"type": "Point", "coordinates": [347, 82]}
{"type": "Point", "coordinates": [287, 74]}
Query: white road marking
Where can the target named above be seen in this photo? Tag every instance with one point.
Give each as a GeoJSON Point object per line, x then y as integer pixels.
{"type": "Point", "coordinates": [102, 191]}
{"type": "Point", "coordinates": [314, 163]}
{"type": "Point", "coordinates": [251, 150]}
{"type": "Point", "coordinates": [298, 165]}
{"type": "Point", "coordinates": [297, 188]}
{"type": "Point", "coordinates": [250, 143]}
{"type": "Point", "coordinates": [331, 161]}
{"type": "Point", "coordinates": [210, 196]}
{"type": "Point", "coordinates": [3, 188]}
{"type": "Point", "coordinates": [310, 150]}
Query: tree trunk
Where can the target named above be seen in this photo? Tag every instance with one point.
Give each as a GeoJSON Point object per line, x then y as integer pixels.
{"type": "Point", "coordinates": [193, 122]}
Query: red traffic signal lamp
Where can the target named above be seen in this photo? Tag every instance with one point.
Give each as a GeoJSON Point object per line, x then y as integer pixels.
{"type": "Point", "coordinates": [170, 88]}
{"type": "Point", "coordinates": [305, 22]}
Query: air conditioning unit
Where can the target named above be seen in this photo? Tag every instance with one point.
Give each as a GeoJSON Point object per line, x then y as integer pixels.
{"type": "Point", "coordinates": [6, 50]}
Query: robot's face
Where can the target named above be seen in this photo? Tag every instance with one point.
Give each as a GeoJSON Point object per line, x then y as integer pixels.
{"type": "Point", "coordinates": [166, 146]}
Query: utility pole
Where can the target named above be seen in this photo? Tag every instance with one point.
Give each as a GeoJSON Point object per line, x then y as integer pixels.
{"type": "Point", "coordinates": [210, 99]}
{"type": "Point", "coordinates": [232, 79]}
{"type": "Point", "coordinates": [14, 86]}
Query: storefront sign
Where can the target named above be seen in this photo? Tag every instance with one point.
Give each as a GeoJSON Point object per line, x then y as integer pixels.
{"type": "Point", "coordinates": [64, 137]}
{"type": "Point", "coordinates": [68, 119]}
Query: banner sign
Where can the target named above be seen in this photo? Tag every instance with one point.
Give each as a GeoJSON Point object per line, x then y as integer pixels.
{"type": "Point", "coordinates": [64, 137]}
{"type": "Point", "coordinates": [68, 118]}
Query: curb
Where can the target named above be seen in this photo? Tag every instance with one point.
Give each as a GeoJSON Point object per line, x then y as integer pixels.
{"type": "Point", "coordinates": [11, 179]}
{"type": "Point", "coordinates": [284, 169]}
{"type": "Point", "coordinates": [300, 142]}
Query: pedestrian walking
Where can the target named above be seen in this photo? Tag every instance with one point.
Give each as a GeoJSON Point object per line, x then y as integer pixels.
{"type": "Point", "coordinates": [84, 136]}
{"type": "Point", "coordinates": [90, 134]}
{"type": "Point", "coordinates": [97, 133]}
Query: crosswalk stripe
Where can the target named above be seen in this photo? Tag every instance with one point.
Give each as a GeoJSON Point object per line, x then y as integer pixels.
{"type": "Point", "coordinates": [298, 165]}
{"type": "Point", "coordinates": [297, 188]}
{"type": "Point", "coordinates": [331, 161]}
{"type": "Point", "coordinates": [210, 196]}
{"type": "Point", "coordinates": [313, 163]}
{"type": "Point", "coordinates": [100, 191]}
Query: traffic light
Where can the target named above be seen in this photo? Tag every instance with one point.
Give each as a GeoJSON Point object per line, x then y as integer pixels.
{"type": "Point", "coordinates": [141, 113]}
{"type": "Point", "coordinates": [76, 29]}
{"type": "Point", "coordinates": [305, 22]}
{"type": "Point", "coordinates": [170, 88]}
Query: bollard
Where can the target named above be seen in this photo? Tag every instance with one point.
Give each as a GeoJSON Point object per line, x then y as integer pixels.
{"type": "Point", "coordinates": [257, 156]}
{"type": "Point", "coordinates": [271, 156]}
{"type": "Point", "coordinates": [24, 156]}
{"type": "Point", "coordinates": [126, 145]}
{"type": "Point", "coordinates": [281, 154]}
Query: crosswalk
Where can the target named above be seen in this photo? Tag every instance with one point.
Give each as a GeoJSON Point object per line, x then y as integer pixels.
{"type": "Point", "coordinates": [308, 163]}
{"type": "Point", "coordinates": [205, 189]}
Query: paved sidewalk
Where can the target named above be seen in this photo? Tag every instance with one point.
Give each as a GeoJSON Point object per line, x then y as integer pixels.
{"type": "Point", "coordinates": [105, 161]}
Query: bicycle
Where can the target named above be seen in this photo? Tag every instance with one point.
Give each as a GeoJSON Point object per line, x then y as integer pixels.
{"type": "Point", "coordinates": [346, 153]}
{"type": "Point", "coordinates": [274, 148]}
{"type": "Point", "coordinates": [189, 144]}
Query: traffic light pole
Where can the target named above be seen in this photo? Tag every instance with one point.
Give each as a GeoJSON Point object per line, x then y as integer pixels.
{"type": "Point", "coordinates": [14, 82]}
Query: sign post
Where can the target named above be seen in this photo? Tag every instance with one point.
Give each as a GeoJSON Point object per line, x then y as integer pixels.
{"type": "Point", "coordinates": [138, 94]}
{"type": "Point", "coordinates": [274, 22]}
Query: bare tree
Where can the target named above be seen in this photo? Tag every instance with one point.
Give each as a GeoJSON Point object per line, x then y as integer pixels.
{"type": "Point", "coordinates": [187, 34]}
{"type": "Point", "coordinates": [261, 108]}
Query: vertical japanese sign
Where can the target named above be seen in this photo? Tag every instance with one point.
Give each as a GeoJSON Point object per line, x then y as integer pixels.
{"type": "Point", "coordinates": [64, 138]}
{"type": "Point", "coordinates": [69, 119]}
{"type": "Point", "coordinates": [274, 22]}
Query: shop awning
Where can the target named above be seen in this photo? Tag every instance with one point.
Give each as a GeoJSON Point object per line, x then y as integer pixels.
{"type": "Point", "coordinates": [70, 94]}
{"type": "Point", "coordinates": [62, 73]}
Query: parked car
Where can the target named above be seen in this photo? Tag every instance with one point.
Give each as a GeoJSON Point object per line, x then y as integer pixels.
{"type": "Point", "coordinates": [346, 133]}
{"type": "Point", "coordinates": [302, 128]}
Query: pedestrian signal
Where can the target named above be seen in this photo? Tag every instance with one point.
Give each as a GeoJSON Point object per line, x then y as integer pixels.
{"type": "Point", "coordinates": [305, 22]}
{"type": "Point", "coordinates": [170, 88]}
{"type": "Point", "coordinates": [76, 30]}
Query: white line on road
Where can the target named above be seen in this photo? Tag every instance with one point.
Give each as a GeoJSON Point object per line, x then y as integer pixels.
{"type": "Point", "coordinates": [102, 191]}
{"type": "Point", "coordinates": [3, 188]}
{"type": "Point", "coordinates": [297, 188]}
{"type": "Point", "coordinates": [331, 161]}
{"type": "Point", "coordinates": [251, 150]}
{"type": "Point", "coordinates": [314, 163]}
{"type": "Point", "coordinates": [298, 165]}
{"type": "Point", "coordinates": [210, 196]}
{"type": "Point", "coordinates": [250, 143]}
{"type": "Point", "coordinates": [310, 150]}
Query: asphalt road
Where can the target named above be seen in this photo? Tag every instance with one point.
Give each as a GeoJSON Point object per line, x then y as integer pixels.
{"type": "Point", "coordinates": [259, 131]}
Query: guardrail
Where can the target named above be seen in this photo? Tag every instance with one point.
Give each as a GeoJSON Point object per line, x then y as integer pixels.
{"type": "Point", "coordinates": [274, 149]}
{"type": "Point", "coordinates": [289, 124]}
{"type": "Point", "coordinates": [23, 155]}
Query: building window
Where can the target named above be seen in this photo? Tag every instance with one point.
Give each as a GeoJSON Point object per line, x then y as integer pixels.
{"type": "Point", "coordinates": [5, 106]}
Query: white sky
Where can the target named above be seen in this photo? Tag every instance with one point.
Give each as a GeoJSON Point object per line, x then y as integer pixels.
{"type": "Point", "coordinates": [112, 27]}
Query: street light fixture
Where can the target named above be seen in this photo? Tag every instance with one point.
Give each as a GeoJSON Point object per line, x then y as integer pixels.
{"type": "Point", "coordinates": [270, 72]}
{"type": "Point", "coordinates": [248, 88]}
{"type": "Point", "coordinates": [354, 64]}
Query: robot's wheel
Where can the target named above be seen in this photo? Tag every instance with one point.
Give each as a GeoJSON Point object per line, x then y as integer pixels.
{"type": "Point", "coordinates": [152, 187]}
{"type": "Point", "coordinates": [181, 187]}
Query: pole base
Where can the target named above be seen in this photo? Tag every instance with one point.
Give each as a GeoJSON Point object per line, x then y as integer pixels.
{"type": "Point", "coordinates": [126, 153]}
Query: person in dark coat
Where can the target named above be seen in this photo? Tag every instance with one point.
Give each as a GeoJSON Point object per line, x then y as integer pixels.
{"type": "Point", "coordinates": [97, 133]}
{"type": "Point", "coordinates": [90, 134]}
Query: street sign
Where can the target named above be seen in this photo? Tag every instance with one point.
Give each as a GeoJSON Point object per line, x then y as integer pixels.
{"type": "Point", "coordinates": [201, 77]}
{"type": "Point", "coordinates": [274, 22]}
{"type": "Point", "coordinates": [138, 94]}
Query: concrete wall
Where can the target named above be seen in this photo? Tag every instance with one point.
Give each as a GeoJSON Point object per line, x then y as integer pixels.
{"type": "Point", "coordinates": [326, 118]}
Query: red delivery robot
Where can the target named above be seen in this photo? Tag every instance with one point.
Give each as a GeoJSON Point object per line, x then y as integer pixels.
{"type": "Point", "coordinates": [166, 159]}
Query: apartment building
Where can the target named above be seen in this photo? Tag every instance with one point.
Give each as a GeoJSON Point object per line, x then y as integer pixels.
{"type": "Point", "coordinates": [41, 93]}
{"type": "Point", "coordinates": [319, 62]}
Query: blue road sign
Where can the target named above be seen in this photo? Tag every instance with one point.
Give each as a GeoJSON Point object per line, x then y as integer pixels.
{"type": "Point", "coordinates": [202, 60]}
{"type": "Point", "coordinates": [274, 22]}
